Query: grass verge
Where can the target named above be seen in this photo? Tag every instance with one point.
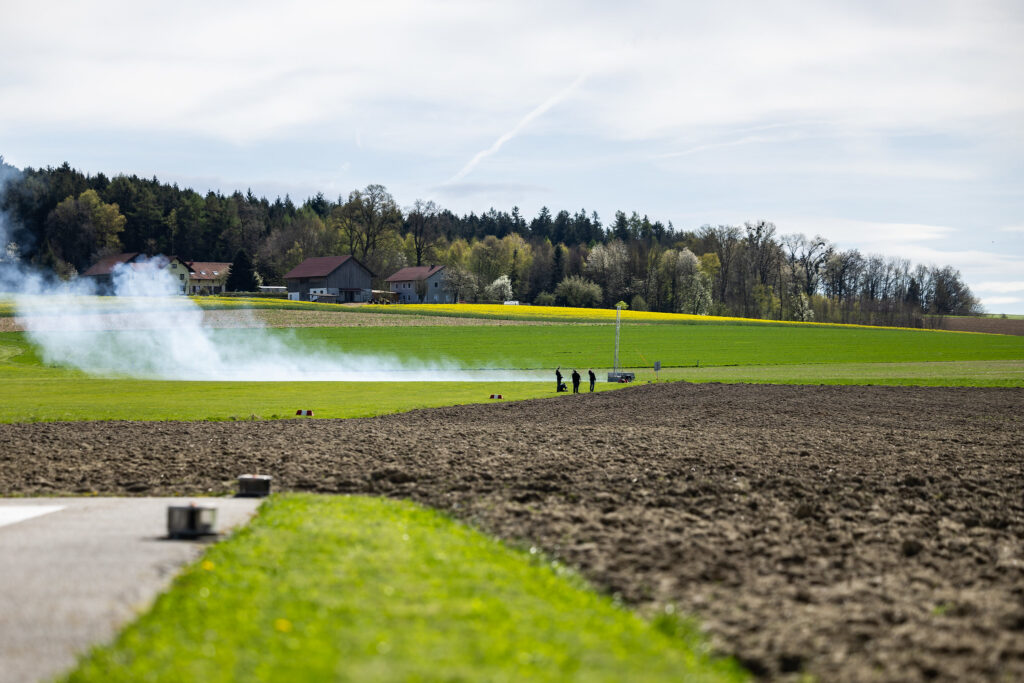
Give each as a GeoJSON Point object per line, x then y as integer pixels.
{"type": "Point", "coordinates": [350, 588]}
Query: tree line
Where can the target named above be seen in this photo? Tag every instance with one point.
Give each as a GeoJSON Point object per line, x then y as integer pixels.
{"type": "Point", "coordinates": [65, 220]}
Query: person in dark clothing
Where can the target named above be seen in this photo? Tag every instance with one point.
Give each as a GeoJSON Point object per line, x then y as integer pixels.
{"type": "Point", "coordinates": [575, 381]}
{"type": "Point", "coordinates": [593, 379]}
{"type": "Point", "coordinates": [558, 379]}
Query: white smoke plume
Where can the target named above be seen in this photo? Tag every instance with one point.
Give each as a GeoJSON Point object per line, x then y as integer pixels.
{"type": "Point", "coordinates": [148, 330]}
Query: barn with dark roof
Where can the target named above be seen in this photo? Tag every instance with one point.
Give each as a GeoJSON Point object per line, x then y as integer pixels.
{"type": "Point", "coordinates": [329, 278]}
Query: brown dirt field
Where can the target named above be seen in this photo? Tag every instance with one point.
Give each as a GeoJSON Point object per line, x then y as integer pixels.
{"type": "Point", "coordinates": [850, 533]}
{"type": "Point", "coordinates": [1013, 326]}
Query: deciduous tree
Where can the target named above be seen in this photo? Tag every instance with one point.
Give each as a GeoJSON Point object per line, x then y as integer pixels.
{"type": "Point", "coordinates": [79, 230]}
{"type": "Point", "coordinates": [579, 292]}
{"type": "Point", "coordinates": [422, 225]}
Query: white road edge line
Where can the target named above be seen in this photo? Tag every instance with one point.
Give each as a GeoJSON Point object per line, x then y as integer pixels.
{"type": "Point", "coordinates": [12, 514]}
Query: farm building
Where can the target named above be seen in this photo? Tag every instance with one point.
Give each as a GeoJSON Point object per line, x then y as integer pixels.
{"type": "Point", "coordinates": [329, 278]}
{"type": "Point", "coordinates": [420, 285]}
{"type": "Point", "coordinates": [208, 277]}
{"type": "Point", "coordinates": [102, 272]}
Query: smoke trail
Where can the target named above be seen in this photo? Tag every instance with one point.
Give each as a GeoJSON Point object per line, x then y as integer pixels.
{"type": "Point", "coordinates": [147, 330]}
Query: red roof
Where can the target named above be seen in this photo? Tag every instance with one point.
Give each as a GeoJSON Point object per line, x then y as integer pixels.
{"type": "Point", "coordinates": [320, 266]}
{"type": "Point", "coordinates": [414, 273]}
{"type": "Point", "coordinates": [208, 270]}
{"type": "Point", "coordinates": [105, 266]}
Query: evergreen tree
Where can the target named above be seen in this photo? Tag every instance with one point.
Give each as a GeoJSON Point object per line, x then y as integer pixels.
{"type": "Point", "coordinates": [243, 276]}
{"type": "Point", "coordinates": [557, 266]}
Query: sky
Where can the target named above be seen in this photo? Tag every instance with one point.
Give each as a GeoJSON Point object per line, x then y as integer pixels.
{"type": "Point", "coordinates": [893, 127]}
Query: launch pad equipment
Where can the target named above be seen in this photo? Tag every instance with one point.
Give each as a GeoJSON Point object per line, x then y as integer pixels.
{"type": "Point", "coordinates": [254, 485]}
{"type": "Point", "coordinates": [615, 375]}
{"type": "Point", "coordinates": [191, 521]}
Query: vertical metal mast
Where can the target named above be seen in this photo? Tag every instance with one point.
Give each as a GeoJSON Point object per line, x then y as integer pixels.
{"type": "Point", "coordinates": [618, 315]}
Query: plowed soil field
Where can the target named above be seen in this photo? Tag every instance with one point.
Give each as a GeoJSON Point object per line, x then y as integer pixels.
{"type": "Point", "coordinates": [853, 533]}
{"type": "Point", "coordinates": [988, 325]}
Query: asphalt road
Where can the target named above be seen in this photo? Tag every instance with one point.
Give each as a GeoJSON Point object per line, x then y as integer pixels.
{"type": "Point", "coordinates": [73, 571]}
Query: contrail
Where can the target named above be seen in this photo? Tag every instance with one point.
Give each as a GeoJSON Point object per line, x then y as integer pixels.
{"type": "Point", "coordinates": [538, 111]}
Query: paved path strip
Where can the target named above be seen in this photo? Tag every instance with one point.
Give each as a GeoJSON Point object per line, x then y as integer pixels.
{"type": "Point", "coordinates": [12, 514]}
{"type": "Point", "coordinates": [73, 571]}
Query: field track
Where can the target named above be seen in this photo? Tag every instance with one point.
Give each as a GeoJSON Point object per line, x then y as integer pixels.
{"type": "Point", "coordinates": [854, 533]}
{"type": "Point", "coordinates": [214, 319]}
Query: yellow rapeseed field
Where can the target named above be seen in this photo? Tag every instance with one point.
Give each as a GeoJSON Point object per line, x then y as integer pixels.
{"type": "Point", "coordinates": [567, 314]}
{"type": "Point", "coordinates": [88, 304]}
{"type": "Point", "coordinates": [554, 313]}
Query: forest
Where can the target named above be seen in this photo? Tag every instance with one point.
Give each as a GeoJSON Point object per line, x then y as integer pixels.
{"type": "Point", "coordinates": [64, 220]}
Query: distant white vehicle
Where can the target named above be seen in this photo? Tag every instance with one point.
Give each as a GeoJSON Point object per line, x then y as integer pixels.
{"type": "Point", "coordinates": [511, 303]}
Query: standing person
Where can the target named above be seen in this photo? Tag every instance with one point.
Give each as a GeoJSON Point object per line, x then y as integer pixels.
{"type": "Point", "coordinates": [593, 379]}
{"type": "Point", "coordinates": [558, 379]}
{"type": "Point", "coordinates": [575, 381]}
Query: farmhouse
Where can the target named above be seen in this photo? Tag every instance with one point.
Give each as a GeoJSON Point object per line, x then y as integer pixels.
{"type": "Point", "coordinates": [102, 272]}
{"type": "Point", "coordinates": [329, 278]}
{"type": "Point", "coordinates": [420, 284]}
{"type": "Point", "coordinates": [179, 270]}
{"type": "Point", "coordinates": [208, 277]}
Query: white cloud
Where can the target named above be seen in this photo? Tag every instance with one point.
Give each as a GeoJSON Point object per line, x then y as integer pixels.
{"type": "Point", "coordinates": [1001, 287]}
{"type": "Point", "coordinates": [991, 301]}
{"type": "Point", "coordinates": [872, 234]}
{"type": "Point", "coordinates": [1013, 228]}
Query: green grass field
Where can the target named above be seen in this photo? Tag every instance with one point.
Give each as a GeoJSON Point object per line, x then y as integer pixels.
{"type": "Point", "coordinates": [541, 347]}
{"type": "Point", "coordinates": [72, 399]}
{"type": "Point", "coordinates": [31, 390]}
{"type": "Point", "coordinates": [360, 589]}
{"type": "Point", "coordinates": [682, 345]}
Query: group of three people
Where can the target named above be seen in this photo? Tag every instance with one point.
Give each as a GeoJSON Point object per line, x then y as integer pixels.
{"type": "Point", "coordinates": [559, 386]}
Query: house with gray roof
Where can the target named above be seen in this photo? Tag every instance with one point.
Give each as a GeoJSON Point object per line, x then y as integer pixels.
{"type": "Point", "coordinates": [420, 285]}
